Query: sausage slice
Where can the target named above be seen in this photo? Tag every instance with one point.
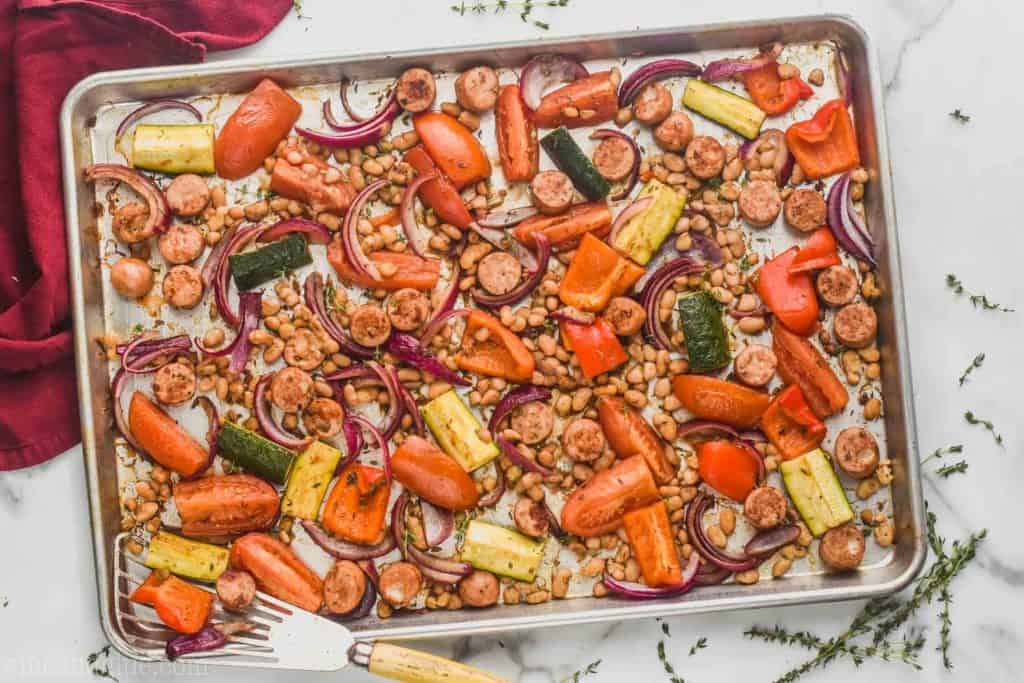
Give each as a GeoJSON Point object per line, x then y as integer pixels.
{"type": "Point", "coordinates": [182, 243]}
{"type": "Point", "coordinates": [183, 287]}
{"type": "Point", "coordinates": [499, 272]}
{"type": "Point", "coordinates": [705, 157]}
{"type": "Point", "coordinates": [855, 325]}
{"type": "Point", "coordinates": [626, 316]}
{"type": "Point", "coordinates": [476, 89]}
{"type": "Point", "coordinates": [805, 210]}
{"type": "Point", "coordinates": [765, 507]}
{"type": "Point", "coordinates": [755, 365]}
{"type": "Point", "coordinates": [534, 422]}
{"type": "Point", "coordinates": [653, 104]}
{"type": "Point", "coordinates": [131, 277]}
{"type": "Point", "coordinates": [552, 192]}
{"type": "Point", "coordinates": [857, 452]}
{"type": "Point", "coordinates": [837, 285]}
{"type": "Point", "coordinates": [187, 195]}
{"type": "Point", "coordinates": [408, 309]}
{"type": "Point", "coordinates": [479, 589]}
{"type": "Point", "coordinates": [323, 418]}
{"type": "Point", "coordinates": [530, 518]}
{"type": "Point", "coordinates": [583, 440]}
{"type": "Point", "coordinates": [842, 548]}
{"type": "Point", "coordinates": [674, 133]}
{"type": "Point", "coordinates": [369, 325]}
{"type": "Point", "coordinates": [416, 90]}
{"type": "Point", "coordinates": [614, 159]}
{"type": "Point", "coordinates": [236, 589]}
{"type": "Point", "coordinates": [760, 203]}
{"type": "Point", "coordinates": [174, 383]}
{"type": "Point", "coordinates": [129, 223]}
{"type": "Point", "coordinates": [344, 586]}
{"type": "Point", "coordinates": [400, 583]}
{"type": "Point", "coordinates": [291, 389]}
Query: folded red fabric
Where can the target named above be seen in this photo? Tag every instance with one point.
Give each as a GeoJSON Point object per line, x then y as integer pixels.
{"type": "Point", "coordinates": [46, 46]}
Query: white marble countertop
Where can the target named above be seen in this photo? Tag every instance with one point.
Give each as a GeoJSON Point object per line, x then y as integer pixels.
{"type": "Point", "coordinates": [955, 185]}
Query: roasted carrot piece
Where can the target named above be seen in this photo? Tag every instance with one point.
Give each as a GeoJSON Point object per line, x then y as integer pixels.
{"type": "Point", "coordinates": [585, 102]}
{"type": "Point", "coordinates": [278, 570]}
{"type": "Point", "coordinates": [717, 399]}
{"type": "Point", "coordinates": [163, 438]}
{"type": "Point", "coordinates": [565, 229]}
{"type": "Point", "coordinates": [410, 270]}
{"type": "Point", "coordinates": [356, 506]}
{"type": "Point", "coordinates": [650, 536]}
{"type": "Point", "coordinates": [252, 132]}
{"type": "Point", "coordinates": [516, 135]}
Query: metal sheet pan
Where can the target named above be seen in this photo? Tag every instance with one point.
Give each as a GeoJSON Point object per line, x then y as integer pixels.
{"type": "Point", "coordinates": [84, 138]}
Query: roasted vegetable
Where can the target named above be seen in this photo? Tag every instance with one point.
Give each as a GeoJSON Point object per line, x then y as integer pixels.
{"type": "Point", "coordinates": [707, 345]}
{"type": "Point", "coordinates": [571, 160]}
{"type": "Point", "coordinates": [816, 492]}
{"type": "Point", "coordinates": [212, 507]}
{"type": "Point", "coordinates": [358, 503]}
{"type": "Point", "coordinates": [310, 476]}
{"type": "Point", "coordinates": [721, 106]}
{"type": "Point", "coordinates": [196, 560]}
{"type": "Point", "coordinates": [457, 430]}
{"type": "Point", "coordinates": [169, 148]}
{"type": "Point", "coordinates": [502, 551]}
{"type": "Point", "coordinates": [253, 268]}
{"type": "Point", "coordinates": [254, 453]}
{"type": "Point", "coordinates": [642, 235]}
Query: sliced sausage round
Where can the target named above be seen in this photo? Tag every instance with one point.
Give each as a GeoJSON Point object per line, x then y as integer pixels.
{"type": "Point", "coordinates": [837, 285]}
{"type": "Point", "coordinates": [479, 589]}
{"type": "Point", "coordinates": [131, 277]}
{"type": "Point", "coordinates": [760, 202]}
{"type": "Point", "coordinates": [533, 421]}
{"type": "Point", "coordinates": [236, 589]}
{"type": "Point", "coordinates": [674, 133]}
{"type": "Point", "coordinates": [182, 243]}
{"type": "Point", "coordinates": [614, 159]}
{"type": "Point", "coordinates": [755, 365]}
{"type": "Point", "coordinates": [857, 452]}
{"type": "Point", "coordinates": [626, 316]}
{"type": "Point", "coordinates": [805, 210]}
{"type": "Point", "coordinates": [323, 418]}
{"type": "Point", "coordinates": [765, 507]}
{"type": "Point", "coordinates": [291, 389]}
{"type": "Point", "coordinates": [304, 350]}
{"type": "Point", "coordinates": [344, 586]}
{"type": "Point", "coordinates": [855, 325]}
{"type": "Point", "coordinates": [400, 583]}
{"type": "Point", "coordinates": [653, 104]}
{"type": "Point", "coordinates": [842, 548]}
{"type": "Point", "coordinates": [129, 223]}
{"type": "Point", "coordinates": [174, 383]}
{"type": "Point", "coordinates": [583, 440]}
{"type": "Point", "coordinates": [530, 518]}
{"type": "Point", "coordinates": [499, 272]}
{"type": "Point", "coordinates": [705, 157]}
{"type": "Point", "coordinates": [369, 325]}
{"type": "Point", "coordinates": [408, 309]}
{"type": "Point", "coordinates": [552, 192]}
{"type": "Point", "coordinates": [187, 195]}
{"type": "Point", "coordinates": [183, 287]}
{"type": "Point", "coordinates": [476, 89]}
{"type": "Point", "coordinates": [416, 90]}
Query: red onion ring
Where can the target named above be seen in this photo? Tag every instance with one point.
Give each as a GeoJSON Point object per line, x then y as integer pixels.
{"type": "Point", "coordinates": [159, 211]}
{"type": "Point", "coordinates": [691, 427]}
{"type": "Point", "coordinates": [705, 249]}
{"type": "Point", "coordinates": [359, 261]}
{"type": "Point", "coordinates": [650, 297]}
{"type": "Point", "coordinates": [116, 389]}
{"type": "Point", "coordinates": [409, 350]}
{"type": "Point", "coordinates": [765, 543]}
{"type": "Point", "coordinates": [414, 234]}
{"type": "Point", "coordinates": [711, 575]}
{"type": "Point", "coordinates": [435, 325]}
{"type": "Point", "coordinates": [153, 108]}
{"type": "Point", "coordinates": [544, 71]}
{"type": "Point", "coordinates": [343, 550]}
{"type": "Point", "coordinates": [145, 354]}
{"type": "Point", "coordinates": [710, 552]}
{"type": "Point", "coordinates": [222, 274]}
{"type": "Point", "coordinates": [250, 305]}
{"type": "Point", "coordinates": [573, 315]}
{"type": "Point", "coordinates": [267, 424]}
{"type": "Point", "coordinates": [500, 220]}
{"type": "Point", "coordinates": [317, 233]}
{"type": "Point", "coordinates": [437, 568]}
{"type": "Point", "coordinates": [213, 426]}
{"type": "Point", "coordinates": [642, 592]}
{"type": "Point", "coordinates": [762, 469]}
{"type": "Point", "coordinates": [350, 110]}
{"type": "Point", "coordinates": [366, 602]}
{"type": "Point", "coordinates": [521, 395]}
{"type": "Point", "coordinates": [313, 292]}
{"type": "Point", "coordinates": [491, 498]}
{"type": "Point", "coordinates": [438, 523]}
{"type": "Point", "coordinates": [213, 259]}
{"type": "Point", "coordinates": [355, 135]}
{"type": "Point", "coordinates": [635, 207]}
{"type": "Point", "coordinates": [850, 233]}
{"type": "Point", "coordinates": [759, 312]}
{"type": "Point", "coordinates": [753, 436]}
{"type": "Point", "coordinates": [398, 525]}
{"type": "Point", "coordinates": [527, 286]}
{"type": "Point", "coordinates": [517, 458]}
{"type": "Point", "coordinates": [634, 172]}
{"type": "Point", "coordinates": [500, 239]}
{"type": "Point", "coordinates": [382, 442]}
{"type": "Point", "coordinates": [208, 638]}
{"type": "Point", "coordinates": [654, 71]}
{"type": "Point", "coordinates": [722, 69]}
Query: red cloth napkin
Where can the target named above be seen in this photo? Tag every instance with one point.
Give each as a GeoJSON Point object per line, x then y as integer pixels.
{"type": "Point", "coordinates": [46, 46]}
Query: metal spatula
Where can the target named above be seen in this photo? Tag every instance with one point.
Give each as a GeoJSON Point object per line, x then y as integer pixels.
{"type": "Point", "coordinates": [282, 637]}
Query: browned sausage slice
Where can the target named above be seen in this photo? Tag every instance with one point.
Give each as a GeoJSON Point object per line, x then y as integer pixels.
{"type": "Point", "coordinates": [674, 133]}
{"type": "Point", "coordinates": [760, 202]}
{"type": "Point", "coordinates": [755, 365]}
{"type": "Point", "coordinates": [400, 583]}
{"type": "Point", "coordinates": [174, 383]}
{"type": "Point", "coordinates": [323, 418]}
{"type": "Point", "coordinates": [626, 316]}
{"type": "Point", "coordinates": [187, 195]}
{"type": "Point", "coordinates": [183, 287]}
{"type": "Point", "coordinates": [653, 104]}
{"type": "Point", "coordinates": [530, 518]}
{"type": "Point", "coordinates": [476, 89]}
{"type": "Point", "coordinates": [855, 325]}
{"type": "Point", "coordinates": [236, 589]}
{"type": "Point", "coordinates": [552, 192]}
{"type": "Point", "coordinates": [805, 210]}
{"type": "Point", "coordinates": [614, 159]}
{"type": "Point", "coordinates": [344, 586]}
{"type": "Point", "coordinates": [583, 440]}
{"type": "Point", "coordinates": [304, 350]}
{"type": "Point", "coordinates": [479, 589]}
{"type": "Point", "coordinates": [182, 243]}
{"type": "Point", "coordinates": [765, 507]}
{"type": "Point", "coordinates": [842, 548]}
{"type": "Point", "coordinates": [416, 90]}
{"type": "Point", "coordinates": [131, 277]}
{"type": "Point", "coordinates": [499, 272]}
{"type": "Point", "coordinates": [369, 325]}
{"type": "Point", "coordinates": [705, 157]}
{"type": "Point", "coordinates": [837, 285]}
{"type": "Point", "coordinates": [129, 223]}
{"type": "Point", "coordinates": [857, 452]}
{"type": "Point", "coordinates": [408, 309]}
{"type": "Point", "coordinates": [533, 421]}
{"type": "Point", "coordinates": [291, 389]}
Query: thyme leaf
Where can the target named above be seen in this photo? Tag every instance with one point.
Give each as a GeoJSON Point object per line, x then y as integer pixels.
{"type": "Point", "coordinates": [524, 8]}
{"type": "Point", "coordinates": [976, 299]}
{"type": "Point", "coordinates": [669, 669]}
{"type": "Point", "coordinates": [582, 673]}
{"type": "Point", "coordinates": [960, 117]}
{"type": "Point", "coordinates": [957, 468]}
{"type": "Point", "coordinates": [976, 363]}
{"type": "Point", "coordinates": [971, 419]}
{"type": "Point", "coordinates": [699, 645]}
{"type": "Point", "coordinates": [101, 669]}
{"type": "Point", "coordinates": [946, 470]}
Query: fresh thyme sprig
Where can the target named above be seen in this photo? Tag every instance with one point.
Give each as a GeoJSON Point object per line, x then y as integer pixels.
{"type": "Point", "coordinates": [525, 9]}
{"type": "Point", "coordinates": [699, 645]}
{"type": "Point", "coordinates": [669, 669]}
{"type": "Point", "coordinates": [959, 116]}
{"type": "Point", "coordinates": [972, 419]}
{"type": "Point", "coordinates": [976, 299]}
{"type": "Point", "coordinates": [976, 363]}
{"type": "Point", "coordinates": [582, 673]}
{"type": "Point", "coordinates": [946, 470]}
{"type": "Point", "coordinates": [101, 669]}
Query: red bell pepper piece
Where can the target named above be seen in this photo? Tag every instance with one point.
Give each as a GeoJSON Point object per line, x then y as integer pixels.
{"type": "Point", "coordinates": [789, 296]}
{"type": "Point", "coordinates": [825, 144]}
{"type": "Point", "coordinates": [772, 94]}
{"type": "Point", "coordinates": [817, 253]}
{"type": "Point", "coordinates": [728, 468]}
{"type": "Point", "coordinates": [791, 425]}
{"type": "Point", "coordinates": [596, 346]}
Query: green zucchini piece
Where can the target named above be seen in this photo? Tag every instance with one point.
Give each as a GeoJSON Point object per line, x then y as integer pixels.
{"type": "Point", "coordinates": [308, 480]}
{"type": "Point", "coordinates": [173, 148]}
{"type": "Point", "coordinates": [707, 344]}
{"type": "Point", "coordinates": [185, 557]}
{"type": "Point", "coordinates": [816, 492]}
{"type": "Point", "coordinates": [502, 551]}
{"type": "Point", "coordinates": [456, 430]}
{"type": "Point", "coordinates": [721, 106]}
{"type": "Point", "coordinates": [642, 235]}
{"type": "Point", "coordinates": [255, 454]}
{"type": "Point", "coordinates": [253, 268]}
{"type": "Point", "coordinates": [571, 160]}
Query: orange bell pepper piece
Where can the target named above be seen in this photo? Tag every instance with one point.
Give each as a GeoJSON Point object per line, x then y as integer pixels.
{"type": "Point", "coordinates": [771, 94]}
{"type": "Point", "coordinates": [452, 146]}
{"type": "Point", "coordinates": [595, 345]}
{"type": "Point", "coordinates": [410, 270]}
{"type": "Point", "coordinates": [595, 99]}
{"type": "Point", "coordinates": [729, 469]}
{"type": "Point", "coordinates": [163, 438]}
{"type": "Point", "coordinates": [791, 425]}
{"type": "Point", "coordinates": [516, 135]}
{"type": "Point", "coordinates": [357, 505]}
{"type": "Point", "coordinates": [801, 364]}
{"type": "Point", "coordinates": [565, 229]}
{"type": "Point", "coordinates": [654, 547]}
{"type": "Point", "coordinates": [182, 606]}
{"type": "Point", "coordinates": [596, 274]}
{"type": "Point", "coordinates": [826, 143]}
{"type": "Point", "coordinates": [252, 132]}
{"type": "Point", "coordinates": [146, 593]}
{"type": "Point", "coordinates": [438, 194]}
{"type": "Point", "coordinates": [501, 354]}
{"type": "Point", "coordinates": [790, 296]}
{"type": "Point", "coordinates": [716, 399]}
{"type": "Point", "coordinates": [818, 252]}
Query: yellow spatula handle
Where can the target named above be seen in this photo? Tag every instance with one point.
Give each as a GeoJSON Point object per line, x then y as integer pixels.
{"type": "Point", "coordinates": [411, 666]}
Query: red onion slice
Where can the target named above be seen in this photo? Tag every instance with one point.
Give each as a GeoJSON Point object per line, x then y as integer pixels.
{"type": "Point", "coordinates": [439, 564]}
{"type": "Point", "coordinates": [722, 69]}
{"type": "Point", "coordinates": [636, 207]}
{"type": "Point", "coordinates": [144, 353]}
{"type": "Point", "coordinates": [438, 523]}
{"type": "Point", "coordinates": [116, 390]}
{"type": "Point", "coordinates": [222, 273]}
{"type": "Point", "coordinates": [758, 312]}
{"type": "Point", "coordinates": [634, 172]}
{"type": "Point", "coordinates": [711, 575]}
{"type": "Point", "coordinates": [212, 427]}
{"type": "Point", "coordinates": [250, 305]}
{"type": "Point", "coordinates": [846, 231]}
{"type": "Point", "coordinates": [316, 233]}
{"type": "Point", "coordinates": [152, 108]}
{"type": "Point", "coordinates": [398, 524]}
{"type": "Point", "coordinates": [382, 442]}
{"type": "Point", "coordinates": [767, 542]}
{"type": "Point", "coordinates": [159, 211]}
{"type": "Point", "coordinates": [313, 292]}
{"type": "Point", "coordinates": [544, 71]}
{"type": "Point", "coordinates": [209, 638]}
{"type": "Point", "coordinates": [650, 296]}
{"type": "Point", "coordinates": [710, 552]}
{"type": "Point", "coordinates": [358, 119]}
{"type": "Point", "coordinates": [517, 458]}
{"type": "Point", "coordinates": [500, 220]}
{"type": "Point", "coordinates": [267, 424]}
{"type": "Point", "coordinates": [358, 134]}
{"type": "Point", "coordinates": [527, 286]}
{"type": "Point", "coordinates": [343, 550]}
{"type": "Point", "coordinates": [213, 259]}
{"type": "Point", "coordinates": [691, 427]}
{"type": "Point", "coordinates": [573, 315]}
{"type": "Point", "coordinates": [491, 498]}
{"type": "Point", "coordinates": [844, 78]}
{"type": "Point", "coordinates": [654, 71]}
{"type": "Point", "coordinates": [705, 250]}
{"type": "Point", "coordinates": [784, 161]}
{"type": "Point", "coordinates": [521, 395]}
{"type": "Point", "coordinates": [415, 235]}
{"type": "Point", "coordinates": [408, 349]}
{"type": "Point", "coordinates": [359, 261]}
{"type": "Point", "coordinates": [641, 592]}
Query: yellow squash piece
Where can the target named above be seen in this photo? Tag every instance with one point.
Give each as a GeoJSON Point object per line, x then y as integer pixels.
{"type": "Point", "coordinates": [185, 557]}
{"type": "Point", "coordinates": [456, 430]}
{"type": "Point", "coordinates": [816, 492]}
{"type": "Point", "coordinates": [174, 148]}
{"type": "Point", "coordinates": [308, 481]}
{"type": "Point", "coordinates": [502, 551]}
{"type": "Point", "coordinates": [641, 236]}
